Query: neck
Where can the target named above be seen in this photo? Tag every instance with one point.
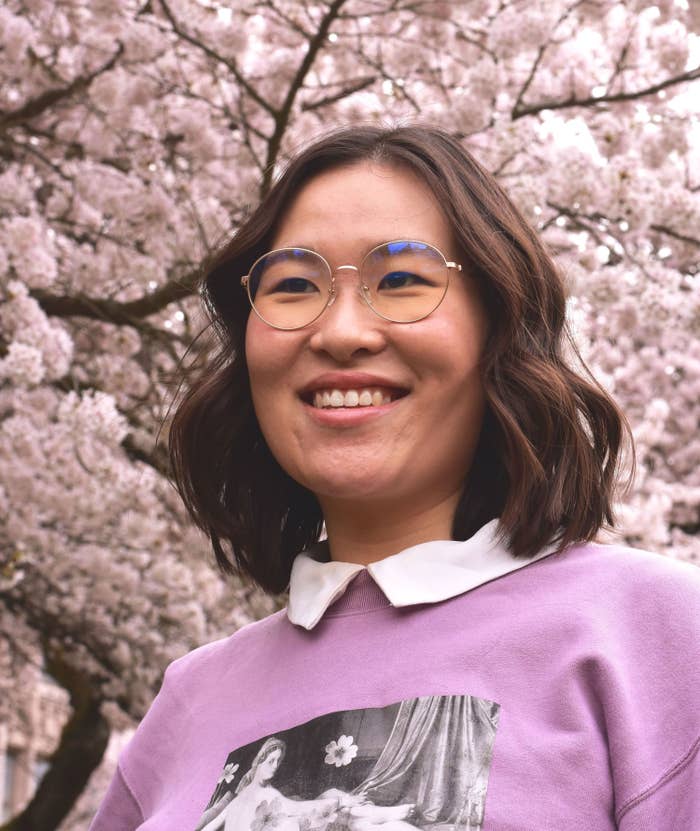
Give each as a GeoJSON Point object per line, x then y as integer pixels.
{"type": "Point", "coordinates": [364, 533]}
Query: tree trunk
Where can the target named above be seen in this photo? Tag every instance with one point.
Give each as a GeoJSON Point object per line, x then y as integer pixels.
{"type": "Point", "coordinates": [80, 750]}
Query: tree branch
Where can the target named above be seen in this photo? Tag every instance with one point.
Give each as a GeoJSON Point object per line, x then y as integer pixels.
{"type": "Point", "coordinates": [113, 311]}
{"type": "Point", "coordinates": [282, 117]}
{"type": "Point", "coordinates": [47, 99]}
{"type": "Point", "coordinates": [358, 86]}
{"type": "Point", "coordinates": [538, 59]}
{"type": "Point", "coordinates": [212, 53]}
{"type": "Point", "coordinates": [663, 229]}
{"type": "Point", "coordinates": [533, 109]}
{"type": "Point", "coordinates": [157, 459]}
{"type": "Point", "coordinates": [288, 20]}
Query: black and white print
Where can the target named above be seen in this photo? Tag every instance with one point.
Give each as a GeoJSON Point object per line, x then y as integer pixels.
{"type": "Point", "coordinates": [421, 763]}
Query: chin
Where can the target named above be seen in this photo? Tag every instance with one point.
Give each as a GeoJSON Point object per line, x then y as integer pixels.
{"type": "Point", "coordinates": [350, 484]}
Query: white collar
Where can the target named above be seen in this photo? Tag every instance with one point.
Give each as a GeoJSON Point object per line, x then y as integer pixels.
{"type": "Point", "coordinates": [425, 573]}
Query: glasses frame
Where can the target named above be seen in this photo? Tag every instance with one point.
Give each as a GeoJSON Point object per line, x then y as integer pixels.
{"type": "Point", "coordinates": [363, 289]}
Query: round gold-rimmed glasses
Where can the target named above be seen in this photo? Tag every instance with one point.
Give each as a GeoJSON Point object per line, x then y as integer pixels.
{"type": "Point", "coordinates": [402, 281]}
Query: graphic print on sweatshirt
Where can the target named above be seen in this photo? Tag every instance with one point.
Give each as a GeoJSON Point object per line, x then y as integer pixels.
{"type": "Point", "coordinates": [421, 763]}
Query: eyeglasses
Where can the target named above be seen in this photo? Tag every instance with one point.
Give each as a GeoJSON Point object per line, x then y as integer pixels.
{"type": "Point", "coordinates": [402, 281]}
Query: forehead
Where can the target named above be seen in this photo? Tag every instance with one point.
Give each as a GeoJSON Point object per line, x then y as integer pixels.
{"type": "Point", "coordinates": [360, 206]}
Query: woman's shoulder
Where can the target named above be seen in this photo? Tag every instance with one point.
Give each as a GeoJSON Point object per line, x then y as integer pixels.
{"type": "Point", "coordinates": [636, 564]}
{"type": "Point", "coordinates": [611, 575]}
{"type": "Point", "coordinates": [214, 657]}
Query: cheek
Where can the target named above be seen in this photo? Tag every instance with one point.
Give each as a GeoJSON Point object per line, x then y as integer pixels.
{"type": "Point", "coordinates": [271, 356]}
{"type": "Point", "coordinates": [268, 357]}
{"type": "Point", "coordinates": [448, 350]}
{"type": "Point", "coordinates": [255, 350]}
{"type": "Point", "coordinates": [464, 333]}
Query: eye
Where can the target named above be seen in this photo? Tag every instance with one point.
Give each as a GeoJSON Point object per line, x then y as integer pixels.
{"type": "Point", "coordinates": [399, 279]}
{"type": "Point", "coordinates": [295, 285]}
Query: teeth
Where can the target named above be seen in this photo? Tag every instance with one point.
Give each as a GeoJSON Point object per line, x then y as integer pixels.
{"type": "Point", "coordinates": [351, 398]}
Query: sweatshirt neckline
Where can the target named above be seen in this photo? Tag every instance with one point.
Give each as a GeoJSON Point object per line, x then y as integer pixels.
{"type": "Point", "coordinates": [362, 594]}
{"type": "Point", "coordinates": [428, 572]}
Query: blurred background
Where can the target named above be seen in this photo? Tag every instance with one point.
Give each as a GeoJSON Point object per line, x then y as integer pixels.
{"type": "Point", "coordinates": [134, 136]}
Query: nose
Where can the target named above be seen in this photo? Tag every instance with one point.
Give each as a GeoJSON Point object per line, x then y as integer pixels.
{"type": "Point", "coordinates": [348, 324]}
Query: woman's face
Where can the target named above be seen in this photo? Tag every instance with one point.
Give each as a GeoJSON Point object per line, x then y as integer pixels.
{"type": "Point", "coordinates": [420, 447]}
{"type": "Point", "coordinates": [268, 767]}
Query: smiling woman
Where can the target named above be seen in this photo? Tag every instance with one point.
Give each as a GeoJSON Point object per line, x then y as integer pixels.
{"type": "Point", "coordinates": [391, 364]}
{"type": "Point", "coordinates": [496, 424]}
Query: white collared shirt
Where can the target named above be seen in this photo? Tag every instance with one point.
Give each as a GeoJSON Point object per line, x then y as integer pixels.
{"type": "Point", "coordinates": [425, 573]}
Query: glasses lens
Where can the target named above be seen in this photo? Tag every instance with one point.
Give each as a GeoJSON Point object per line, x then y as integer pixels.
{"type": "Point", "coordinates": [289, 287]}
{"type": "Point", "coordinates": [406, 280]}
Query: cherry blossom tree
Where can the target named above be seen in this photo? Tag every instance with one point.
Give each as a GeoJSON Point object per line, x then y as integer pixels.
{"type": "Point", "coordinates": [134, 136]}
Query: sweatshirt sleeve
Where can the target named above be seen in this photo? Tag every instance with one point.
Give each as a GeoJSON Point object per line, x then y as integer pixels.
{"type": "Point", "coordinates": [140, 782]}
{"type": "Point", "coordinates": [650, 689]}
{"type": "Point", "coordinates": [119, 808]}
{"type": "Point", "coordinates": [670, 804]}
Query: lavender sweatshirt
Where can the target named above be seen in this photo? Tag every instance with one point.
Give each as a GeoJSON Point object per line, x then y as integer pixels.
{"type": "Point", "coordinates": [564, 696]}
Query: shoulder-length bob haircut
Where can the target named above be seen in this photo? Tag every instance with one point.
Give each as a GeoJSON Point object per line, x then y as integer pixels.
{"type": "Point", "coordinates": [548, 456]}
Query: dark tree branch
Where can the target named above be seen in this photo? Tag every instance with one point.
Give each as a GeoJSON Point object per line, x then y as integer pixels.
{"type": "Point", "coordinates": [246, 130]}
{"type": "Point", "coordinates": [282, 117]}
{"type": "Point", "coordinates": [591, 101]}
{"type": "Point", "coordinates": [382, 72]}
{"type": "Point", "coordinates": [598, 217]}
{"type": "Point", "coordinates": [25, 147]}
{"type": "Point", "coordinates": [113, 311]}
{"type": "Point", "coordinates": [528, 81]}
{"type": "Point", "coordinates": [585, 223]}
{"type": "Point", "coordinates": [590, 223]}
{"type": "Point", "coordinates": [663, 229]}
{"type": "Point", "coordinates": [212, 53]}
{"type": "Point", "coordinates": [47, 99]}
{"type": "Point", "coordinates": [157, 458]}
{"type": "Point", "coordinates": [620, 62]}
{"type": "Point", "coordinates": [288, 20]}
{"type": "Point", "coordinates": [538, 60]}
{"type": "Point", "coordinates": [357, 86]}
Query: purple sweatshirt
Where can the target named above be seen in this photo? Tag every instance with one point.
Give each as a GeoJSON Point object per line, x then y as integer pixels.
{"type": "Point", "coordinates": [562, 696]}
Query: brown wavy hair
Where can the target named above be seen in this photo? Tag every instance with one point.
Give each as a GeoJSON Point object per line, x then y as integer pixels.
{"type": "Point", "coordinates": [548, 456]}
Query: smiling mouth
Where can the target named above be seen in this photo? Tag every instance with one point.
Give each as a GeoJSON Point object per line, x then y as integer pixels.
{"type": "Point", "coordinates": [353, 398]}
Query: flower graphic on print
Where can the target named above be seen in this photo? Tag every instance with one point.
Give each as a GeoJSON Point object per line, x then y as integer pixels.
{"type": "Point", "coordinates": [267, 815]}
{"type": "Point", "coordinates": [341, 752]}
{"type": "Point", "coordinates": [320, 818]}
{"type": "Point", "coordinates": [227, 773]}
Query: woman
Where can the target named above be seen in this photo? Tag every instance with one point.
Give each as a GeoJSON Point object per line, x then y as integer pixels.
{"type": "Point", "coordinates": [257, 801]}
{"type": "Point", "coordinates": [255, 796]}
{"type": "Point", "coordinates": [391, 365]}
